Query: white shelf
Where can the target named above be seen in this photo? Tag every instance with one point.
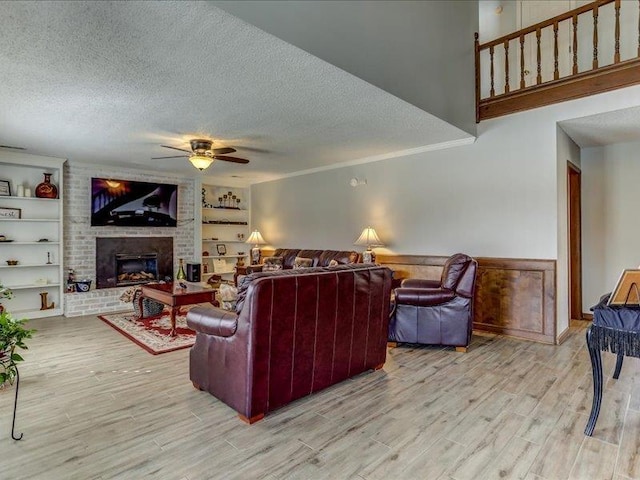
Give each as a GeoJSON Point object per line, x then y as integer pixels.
{"type": "Point", "coordinates": [40, 218]}
{"type": "Point", "coordinates": [222, 241]}
{"type": "Point", "coordinates": [225, 209]}
{"type": "Point", "coordinates": [31, 265]}
{"type": "Point", "coordinates": [226, 272]}
{"type": "Point", "coordinates": [15, 197]}
{"type": "Point", "coordinates": [236, 222]}
{"type": "Point", "coordinates": [32, 286]}
{"type": "Point", "coordinates": [29, 219]}
{"type": "Point", "coordinates": [29, 243]}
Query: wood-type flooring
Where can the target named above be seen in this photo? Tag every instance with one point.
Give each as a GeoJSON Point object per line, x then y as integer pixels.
{"type": "Point", "coordinates": [95, 406]}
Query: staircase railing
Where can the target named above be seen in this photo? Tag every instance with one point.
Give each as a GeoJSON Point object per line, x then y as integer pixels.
{"type": "Point", "coordinates": [552, 63]}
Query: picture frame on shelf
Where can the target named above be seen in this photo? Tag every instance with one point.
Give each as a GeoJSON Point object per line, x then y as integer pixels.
{"type": "Point", "coordinates": [6, 212]}
{"type": "Point", "coordinates": [221, 248]}
{"type": "Point", "coordinates": [5, 188]}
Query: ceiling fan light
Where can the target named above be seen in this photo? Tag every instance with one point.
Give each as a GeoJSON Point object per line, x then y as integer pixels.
{"type": "Point", "coordinates": [200, 161]}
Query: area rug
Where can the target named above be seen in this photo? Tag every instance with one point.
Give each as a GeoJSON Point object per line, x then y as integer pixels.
{"type": "Point", "coordinates": [152, 333]}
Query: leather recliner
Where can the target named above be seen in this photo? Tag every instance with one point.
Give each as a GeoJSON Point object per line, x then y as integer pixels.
{"type": "Point", "coordinates": [436, 312]}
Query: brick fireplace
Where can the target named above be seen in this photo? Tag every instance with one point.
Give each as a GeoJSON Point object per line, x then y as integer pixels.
{"type": "Point", "coordinates": [123, 261]}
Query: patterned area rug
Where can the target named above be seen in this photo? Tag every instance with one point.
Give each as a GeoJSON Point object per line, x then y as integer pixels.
{"type": "Point", "coordinates": [152, 333]}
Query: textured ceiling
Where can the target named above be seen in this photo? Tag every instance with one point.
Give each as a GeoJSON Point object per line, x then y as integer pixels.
{"type": "Point", "coordinates": [619, 126]}
{"type": "Point", "coordinates": [108, 82]}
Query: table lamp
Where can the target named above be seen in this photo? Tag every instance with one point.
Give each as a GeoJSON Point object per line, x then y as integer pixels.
{"type": "Point", "coordinates": [369, 238]}
{"type": "Point", "coordinates": [257, 240]}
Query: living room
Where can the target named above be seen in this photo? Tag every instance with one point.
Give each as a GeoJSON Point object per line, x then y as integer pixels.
{"type": "Point", "coordinates": [93, 85]}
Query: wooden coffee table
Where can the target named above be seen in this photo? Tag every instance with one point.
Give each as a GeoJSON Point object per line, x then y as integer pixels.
{"type": "Point", "coordinates": [174, 296]}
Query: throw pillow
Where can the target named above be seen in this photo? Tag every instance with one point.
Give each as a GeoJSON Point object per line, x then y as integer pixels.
{"type": "Point", "coordinates": [272, 264]}
{"type": "Point", "coordinates": [333, 263]}
{"type": "Point", "coordinates": [227, 295]}
{"type": "Point", "coordinates": [301, 262]}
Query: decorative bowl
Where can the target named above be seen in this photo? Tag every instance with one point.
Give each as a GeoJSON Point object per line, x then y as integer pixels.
{"type": "Point", "coordinates": [12, 262]}
{"type": "Point", "coordinates": [83, 285]}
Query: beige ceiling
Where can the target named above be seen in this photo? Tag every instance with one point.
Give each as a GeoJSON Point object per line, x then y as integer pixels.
{"type": "Point", "coordinates": [109, 82]}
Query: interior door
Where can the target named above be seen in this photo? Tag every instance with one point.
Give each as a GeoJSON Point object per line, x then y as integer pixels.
{"type": "Point", "coordinates": [575, 241]}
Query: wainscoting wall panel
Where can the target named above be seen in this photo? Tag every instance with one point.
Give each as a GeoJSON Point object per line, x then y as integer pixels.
{"type": "Point", "coordinates": [513, 297]}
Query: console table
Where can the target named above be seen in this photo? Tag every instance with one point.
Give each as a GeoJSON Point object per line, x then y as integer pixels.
{"type": "Point", "coordinates": [617, 330]}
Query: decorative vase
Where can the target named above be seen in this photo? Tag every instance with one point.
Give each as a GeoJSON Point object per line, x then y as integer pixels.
{"type": "Point", "coordinates": [47, 189]}
{"type": "Point", "coordinates": [181, 275]}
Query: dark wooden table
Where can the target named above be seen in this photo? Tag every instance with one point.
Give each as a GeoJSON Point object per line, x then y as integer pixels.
{"type": "Point", "coordinates": [174, 296]}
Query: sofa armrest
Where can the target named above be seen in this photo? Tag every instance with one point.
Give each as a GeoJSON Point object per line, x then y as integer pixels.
{"type": "Point", "coordinates": [420, 283]}
{"type": "Point", "coordinates": [212, 321]}
{"type": "Point", "coordinates": [423, 297]}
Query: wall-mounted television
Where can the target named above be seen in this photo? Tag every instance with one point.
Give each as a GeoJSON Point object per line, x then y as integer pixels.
{"type": "Point", "coordinates": [126, 203]}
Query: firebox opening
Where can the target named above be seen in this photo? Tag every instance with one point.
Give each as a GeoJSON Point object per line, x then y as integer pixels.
{"type": "Point", "coordinates": [136, 269]}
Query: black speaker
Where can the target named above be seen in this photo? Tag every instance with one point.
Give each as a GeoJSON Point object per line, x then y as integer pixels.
{"type": "Point", "coordinates": [193, 272]}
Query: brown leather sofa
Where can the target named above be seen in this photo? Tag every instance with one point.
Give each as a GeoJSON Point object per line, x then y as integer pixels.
{"type": "Point", "coordinates": [294, 332]}
{"type": "Point", "coordinates": [321, 258]}
{"type": "Point", "coordinates": [436, 312]}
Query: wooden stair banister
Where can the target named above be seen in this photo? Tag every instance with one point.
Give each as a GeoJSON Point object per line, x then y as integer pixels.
{"type": "Point", "coordinates": [549, 86]}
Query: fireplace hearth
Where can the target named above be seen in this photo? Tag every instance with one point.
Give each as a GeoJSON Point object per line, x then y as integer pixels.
{"type": "Point", "coordinates": [123, 261]}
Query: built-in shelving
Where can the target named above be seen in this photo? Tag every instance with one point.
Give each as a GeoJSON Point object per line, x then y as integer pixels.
{"type": "Point", "coordinates": [38, 275]}
{"type": "Point", "coordinates": [224, 225]}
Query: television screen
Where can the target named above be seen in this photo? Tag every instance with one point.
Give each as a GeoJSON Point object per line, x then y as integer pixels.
{"type": "Point", "coordinates": [127, 203]}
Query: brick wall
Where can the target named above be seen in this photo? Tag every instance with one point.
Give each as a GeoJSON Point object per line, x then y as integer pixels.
{"type": "Point", "coordinates": [80, 236]}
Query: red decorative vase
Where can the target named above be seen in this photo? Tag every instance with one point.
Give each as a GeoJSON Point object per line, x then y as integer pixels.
{"type": "Point", "coordinates": [47, 189]}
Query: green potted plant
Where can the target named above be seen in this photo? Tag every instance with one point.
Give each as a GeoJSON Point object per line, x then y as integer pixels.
{"type": "Point", "coordinates": [13, 333]}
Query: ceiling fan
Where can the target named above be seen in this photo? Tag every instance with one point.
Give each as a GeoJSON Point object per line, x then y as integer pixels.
{"type": "Point", "coordinates": [202, 154]}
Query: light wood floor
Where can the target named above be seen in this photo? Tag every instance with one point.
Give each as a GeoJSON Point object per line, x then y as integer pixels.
{"type": "Point", "coordinates": [95, 406]}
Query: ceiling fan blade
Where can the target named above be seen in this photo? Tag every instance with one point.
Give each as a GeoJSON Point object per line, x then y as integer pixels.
{"type": "Point", "coordinates": [174, 156]}
{"type": "Point", "coordinates": [230, 159]}
{"type": "Point", "coordinates": [18, 148]}
{"type": "Point", "coordinates": [176, 148]}
{"type": "Point", "coordinates": [222, 150]}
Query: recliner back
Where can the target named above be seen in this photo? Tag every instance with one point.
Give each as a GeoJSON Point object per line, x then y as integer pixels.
{"type": "Point", "coordinates": [454, 270]}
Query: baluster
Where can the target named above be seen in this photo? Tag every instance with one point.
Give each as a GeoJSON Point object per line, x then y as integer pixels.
{"type": "Point", "coordinates": [539, 57]}
{"type": "Point", "coordinates": [616, 55]}
{"type": "Point", "coordinates": [575, 44]}
{"type": "Point", "coordinates": [595, 37]}
{"type": "Point", "coordinates": [506, 66]}
{"type": "Point", "coordinates": [522, 59]}
{"type": "Point", "coordinates": [492, 92]}
{"type": "Point", "coordinates": [556, 72]}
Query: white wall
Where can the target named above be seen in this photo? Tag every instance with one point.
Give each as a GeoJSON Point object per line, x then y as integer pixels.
{"type": "Point", "coordinates": [610, 217]}
{"type": "Point", "coordinates": [567, 151]}
{"type": "Point", "coordinates": [500, 197]}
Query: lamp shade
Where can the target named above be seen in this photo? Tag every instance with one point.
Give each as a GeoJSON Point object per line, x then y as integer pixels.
{"type": "Point", "coordinates": [368, 238]}
{"type": "Point", "coordinates": [256, 238]}
{"type": "Point", "coordinates": [200, 161]}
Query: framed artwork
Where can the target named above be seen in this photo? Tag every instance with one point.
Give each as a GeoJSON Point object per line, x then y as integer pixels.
{"type": "Point", "coordinates": [222, 249]}
{"type": "Point", "coordinates": [5, 188]}
{"type": "Point", "coordinates": [627, 291]}
{"type": "Point", "coordinates": [10, 212]}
